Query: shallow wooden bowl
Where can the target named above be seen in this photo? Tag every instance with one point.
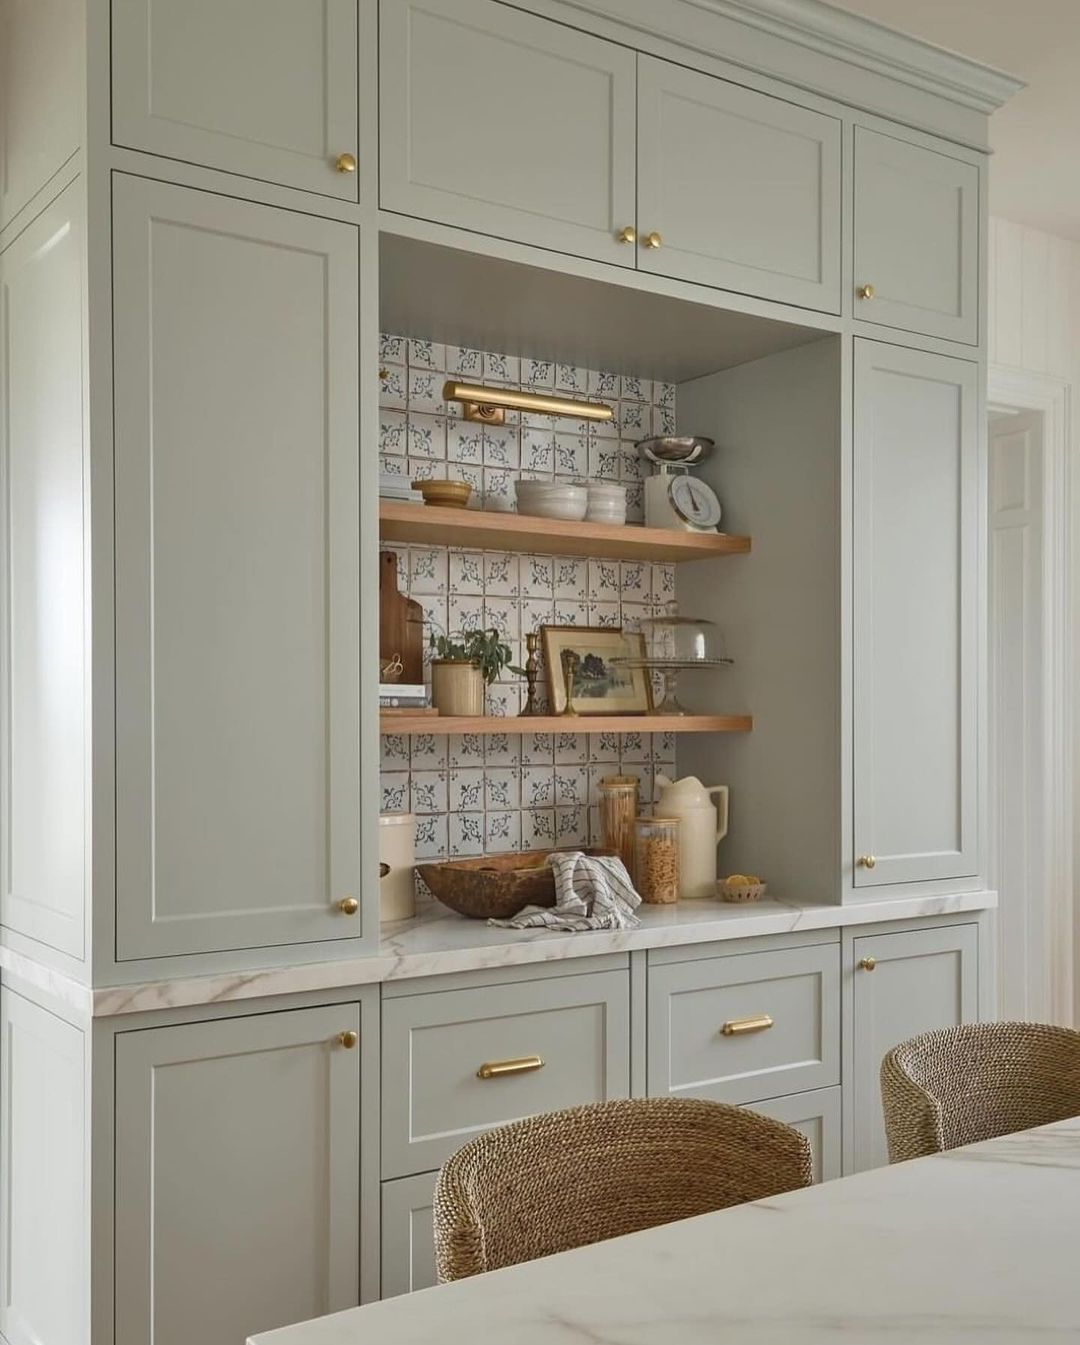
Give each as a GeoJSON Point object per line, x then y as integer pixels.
{"type": "Point", "coordinates": [494, 887]}
{"type": "Point", "coordinates": [446, 494]}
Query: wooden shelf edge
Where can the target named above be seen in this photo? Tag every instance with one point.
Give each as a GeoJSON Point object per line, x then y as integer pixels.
{"type": "Point", "coordinates": [482, 530]}
{"type": "Point", "coordinates": [443, 725]}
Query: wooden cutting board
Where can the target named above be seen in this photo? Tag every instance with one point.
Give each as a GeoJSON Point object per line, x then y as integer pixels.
{"type": "Point", "coordinates": [401, 627]}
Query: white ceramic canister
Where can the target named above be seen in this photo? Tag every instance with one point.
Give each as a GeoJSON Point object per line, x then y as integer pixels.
{"type": "Point", "coordinates": [703, 825]}
{"type": "Point", "coordinates": [397, 855]}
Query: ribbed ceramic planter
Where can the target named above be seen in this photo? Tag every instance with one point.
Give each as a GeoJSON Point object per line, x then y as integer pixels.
{"type": "Point", "coordinates": [457, 687]}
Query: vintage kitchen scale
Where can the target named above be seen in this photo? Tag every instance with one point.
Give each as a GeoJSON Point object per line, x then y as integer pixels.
{"type": "Point", "coordinates": [673, 498]}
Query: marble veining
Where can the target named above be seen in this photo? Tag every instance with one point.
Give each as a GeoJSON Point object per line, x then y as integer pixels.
{"type": "Point", "coordinates": [977, 1245]}
{"type": "Point", "coordinates": [436, 941]}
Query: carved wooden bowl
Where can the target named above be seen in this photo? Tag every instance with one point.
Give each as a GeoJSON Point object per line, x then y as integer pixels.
{"type": "Point", "coordinates": [494, 887]}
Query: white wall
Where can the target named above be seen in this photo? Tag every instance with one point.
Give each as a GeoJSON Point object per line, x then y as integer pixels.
{"type": "Point", "coordinates": [1035, 326]}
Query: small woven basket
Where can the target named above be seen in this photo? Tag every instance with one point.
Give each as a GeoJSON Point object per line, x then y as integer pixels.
{"type": "Point", "coordinates": [742, 892]}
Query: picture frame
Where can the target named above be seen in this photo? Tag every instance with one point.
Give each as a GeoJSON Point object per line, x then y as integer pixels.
{"type": "Point", "coordinates": [599, 689]}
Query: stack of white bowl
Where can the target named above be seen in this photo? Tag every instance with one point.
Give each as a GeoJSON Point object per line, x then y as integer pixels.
{"type": "Point", "coordinates": [598, 501]}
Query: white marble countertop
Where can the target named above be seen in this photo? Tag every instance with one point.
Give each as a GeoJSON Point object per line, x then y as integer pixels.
{"type": "Point", "coordinates": [974, 1246]}
{"type": "Point", "coordinates": [437, 941]}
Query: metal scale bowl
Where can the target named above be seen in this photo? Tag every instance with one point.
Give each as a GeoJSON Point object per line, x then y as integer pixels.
{"type": "Point", "coordinates": [673, 498]}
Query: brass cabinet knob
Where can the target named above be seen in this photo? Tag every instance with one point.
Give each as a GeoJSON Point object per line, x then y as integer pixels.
{"type": "Point", "coordinates": [348, 906]}
{"type": "Point", "coordinates": [345, 163]}
{"type": "Point", "coordinates": [627, 235]}
{"type": "Point", "coordinates": [868, 963]}
{"type": "Point", "coordinates": [348, 1040]}
{"type": "Point", "coordinates": [865, 292]}
{"type": "Point", "coordinates": [867, 862]}
{"type": "Point", "coordinates": [653, 240]}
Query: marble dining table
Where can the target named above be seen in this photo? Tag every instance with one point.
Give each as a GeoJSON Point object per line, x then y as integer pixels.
{"type": "Point", "coordinates": [979, 1245]}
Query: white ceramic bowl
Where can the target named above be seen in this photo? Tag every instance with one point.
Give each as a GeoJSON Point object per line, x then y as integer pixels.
{"type": "Point", "coordinates": [607, 503]}
{"type": "Point", "coordinates": [549, 499]}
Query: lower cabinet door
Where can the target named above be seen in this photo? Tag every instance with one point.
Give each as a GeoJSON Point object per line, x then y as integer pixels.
{"type": "Point", "coordinates": [817, 1115]}
{"type": "Point", "coordinates": [902, 984]}
{"type": "Point", "coordinates": [237, 1176]}
{"type": "Point", "coordinates": [408, 1234]}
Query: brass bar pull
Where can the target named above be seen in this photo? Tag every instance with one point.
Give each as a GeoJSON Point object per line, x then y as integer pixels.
{"type": "Point", "coordinates": [739, 1027]}
{"type": "Point", "coordinates": [497, 1069]}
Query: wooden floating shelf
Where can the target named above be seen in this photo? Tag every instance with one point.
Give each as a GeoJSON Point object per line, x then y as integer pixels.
{"type": "Point", "coordinates": [442, 725]}
{"type": "Point", "coordinates": [480, 530]}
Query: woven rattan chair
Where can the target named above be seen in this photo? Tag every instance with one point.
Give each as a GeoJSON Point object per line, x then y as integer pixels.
{"type": "Point", "coordinates": [573, 1177]}
{"type": "Point", "coordinates": [971, 1083]}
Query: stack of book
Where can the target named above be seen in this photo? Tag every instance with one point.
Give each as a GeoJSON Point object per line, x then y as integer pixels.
{"type": "Point", "coordinates": [399, 488]}
{"type": "Point", "coordinates": [402, 696]}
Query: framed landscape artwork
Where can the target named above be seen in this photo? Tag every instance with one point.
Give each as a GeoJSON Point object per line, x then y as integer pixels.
{"type": "Point", "coordinates": [602, 684]}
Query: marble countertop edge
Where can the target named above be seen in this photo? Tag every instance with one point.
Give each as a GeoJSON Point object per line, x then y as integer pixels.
{"type": "Point", "coordinates": [437, 942]}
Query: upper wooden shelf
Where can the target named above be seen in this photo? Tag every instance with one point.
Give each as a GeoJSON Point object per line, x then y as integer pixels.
{"type": "Point", "coordinates": [488, 724]}
{"type": "Point", "coordinates": [480, 530]}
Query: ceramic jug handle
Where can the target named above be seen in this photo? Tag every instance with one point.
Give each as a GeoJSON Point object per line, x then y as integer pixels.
{"type": "Point", "coordinates": [721, 811]}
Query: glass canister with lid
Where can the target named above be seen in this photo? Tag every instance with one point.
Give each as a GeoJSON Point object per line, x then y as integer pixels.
{"type": "Point", "coordinates": [619, 804]}
{"type": "Point", "coordinates": [656, 859]}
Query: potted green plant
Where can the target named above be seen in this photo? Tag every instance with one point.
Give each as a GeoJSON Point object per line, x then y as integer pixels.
{"type": "Point", "coordinates": [465, 664]}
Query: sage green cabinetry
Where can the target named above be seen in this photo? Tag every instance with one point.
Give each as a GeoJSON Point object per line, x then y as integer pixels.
{"type": "Point", "coordinates": [817, 1115]}
{"type": "Point", "coordinates": [237, 1162]}
{"type": "Point", "coordinates": [408, 1234]}
{"type": "Point", "coordinates": [237, 573]}
{"type": "Point", "coordinates": [264, 90]}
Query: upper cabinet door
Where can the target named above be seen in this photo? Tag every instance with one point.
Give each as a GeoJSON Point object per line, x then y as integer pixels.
{"type": "Point", "coordinates": [507, 124]}
{"type": "Point", "coordinates": [915, 635]}
{"type": "Point", "coordinates": [263, 88]}
{"type": "Point", "coordinates": [237, 573]}
{"type": "Point", "coordinates": [916, 238]}
{"type": "Point", "coordinates": [737, 189]}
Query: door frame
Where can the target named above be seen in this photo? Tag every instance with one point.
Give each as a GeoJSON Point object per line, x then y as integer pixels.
{"type": "Point", "coordinates": [1016, 390]}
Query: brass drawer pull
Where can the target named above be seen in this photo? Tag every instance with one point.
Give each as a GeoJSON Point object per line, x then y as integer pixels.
{"type": "Point", "coordinates": [496, 1069]}
{"type": "Point", "coordinates": [738, 1027]}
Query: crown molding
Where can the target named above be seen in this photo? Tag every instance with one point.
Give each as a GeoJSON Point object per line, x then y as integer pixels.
{"type": "Point", "coordinates": [844, 36]}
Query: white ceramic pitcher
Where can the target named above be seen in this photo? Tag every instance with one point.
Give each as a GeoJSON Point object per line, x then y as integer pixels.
{"type": "Point", "coordinates": [703, 825]}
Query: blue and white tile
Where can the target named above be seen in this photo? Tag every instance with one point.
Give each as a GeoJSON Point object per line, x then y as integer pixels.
{"type": "Point", "coordinates": [393, 432]}
{"type": "Point", "coordinates": [663, 582]}
{"type": "Point", "coordinates": [425, 391]}
{"type": "Point", "coordinates": [605, 614]}
{"type": "Point", "coordinates": [427, 435]}
{"type": "Point", "coordinates": [538, 450]}
{"type": "Point", "coordinates": [394, 792]}
{"type": "Point", "coordinates": [464, 441]}
{"type": "Point", "coordinates": [393, 349]}
{"type": "Point", "coordinates": [603, 385]}
{"type": "Point", "coordinates": [499, 490]}
{"type": "Point", "coordinates": [604, 460]}
{"type": "Point", "coordinates": [502, 749]}
{"type": "Point", "coordinates": [427, 355]}
{"type": "Point", "coordinates": [464, 614]}
{"type": "Point", "coordinates": [501, 446]}
{"type": "Point", "coordinates": [571, 827]}
{"type": "Point", "coordinates": [635, 501]}
{"type": "Point", "coordinates": [472, 476]}
{"type": "Point", "coordinates": [428, 793]}
{"type": "Point", "coordinates": [394, 752]}
{"type": "Point", "coordinates": [536, 612]}
{"type": "Point", "coordinates": [502, 787]}
{"type": "Point", "coordinates": [538, 786]}
{"type": "Point", "coordinates": [570, 613]}
{"type": "Point", "coordinates": [571, 455]}
{"type": "Point", "coordinates": [465, 364]}
{"type": "Point", "coordinates": [663, 394]}
{"type": "Point", "coordinates": [571, 785]}
{"type": "Point", "coordinates": [538, 374]}
{"type": "Point", "coordinates": [571, 577]}
{"type": "Point", "coordinates": [420, 469]}
{"type": "Point", "coordinates": [393, 387]}
{"type": "Point", "coordinates": [465, 750]}
{"type": "Point", "coordinates": [570, 379]}
{"type": "Point", "coordinates": [636, 748]}
{"type": "Point", "coordinates": [537, 749]}
{"type": "Point", "coordinates": [466, 834]}
{"type": "Point", "coordinates": [467, 573]}
{"type": "Point", "coordinates": [500, 574]}
{"type": "Point", "coordinates": [503, 700]}
{"type": "Point", "coordinates": [393, 466]}
{"type": "Point", "coordinates": [538, 829]}
{"type": "Point", "coordinates": [604, 581]}
{"type": "Point", "coordinates": [429, 752]}
{"type": "Point", "coordinates": [466, 790]}
{"type": "Point", "coordinates": [636, 389]}
{"type": "Point", "coordinates": [604, 747]}
{"type": "Point", "coordinates": [644, 776]}
{"type": "Point", "coordinates": [537, 576]}
{"type": "Point", "coordinates": [631, 467]}
{"type": "Point", "coordinates": [427, 570]}
{"type": "Point", "coordinates": [663, 420]}
{"type": "Point", "coordinates": [502, 832]}
{"type": "Point", "coordinates": [435, 614]}
{"type": "Point", "coordinates": [635, 420]}
{"type": "Point", "coordinates": [501, 368]}
{"type": "Point", "coordinates": [571, 749]}
{"type": "Point", "coordinates": [636, 581]}
{"type": "Point", "coordinates": [431, 837]}
{"type": "Point", "coordinates": [634, 614]}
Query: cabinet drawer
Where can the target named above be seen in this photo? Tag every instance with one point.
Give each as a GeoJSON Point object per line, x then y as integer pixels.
{"type": "Point", "coordinates": [434, 1099]}
{"type": "Point", "coordinates": [817, 1116]}
{"type": "Point", "coordinates": [408, 1234]}
{"type": "Point", "coordinates": [738, 1029]}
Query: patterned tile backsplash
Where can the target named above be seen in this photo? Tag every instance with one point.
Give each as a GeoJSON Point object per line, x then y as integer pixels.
{"type": "Point", "coordinates": [515, 790]}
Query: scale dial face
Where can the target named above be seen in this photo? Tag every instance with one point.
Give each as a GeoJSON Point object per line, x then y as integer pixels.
{"type": "Point", "coordinates": [694, 502]}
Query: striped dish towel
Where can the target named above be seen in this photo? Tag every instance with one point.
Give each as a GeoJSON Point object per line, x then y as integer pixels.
{"type": "Point", "coordinates": [591, 892]}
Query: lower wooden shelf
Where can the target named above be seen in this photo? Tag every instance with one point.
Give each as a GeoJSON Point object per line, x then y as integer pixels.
{"type": "Point", "coordinates": [443, 725]}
